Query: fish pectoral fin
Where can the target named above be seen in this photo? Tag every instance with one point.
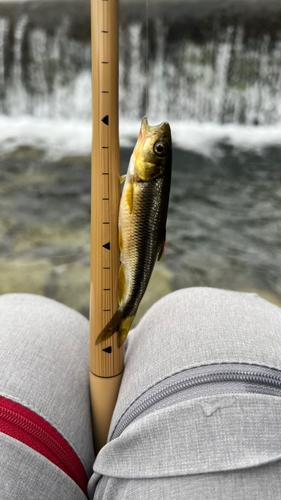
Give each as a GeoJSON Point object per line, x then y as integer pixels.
{"type": "Point", "coordinates": [121, 284]}
{"type": "Point", "coordinates": [130, 194]}
{"type": "Point", "coordinates": [122, 178]}
{"type": "Point", "coordinates": [124, 328]}
{"type": "Point", "coordinates": [162, 250]}
{"type": "Point", "coordinates": [120, 240]}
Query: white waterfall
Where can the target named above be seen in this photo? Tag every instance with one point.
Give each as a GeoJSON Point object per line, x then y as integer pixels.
{"type": "Point", "coordinates": [3, 34]}
{"type": "Point", "coordinates": [16, 96]}
{"type": "Point", "coordinates": [221, 81]}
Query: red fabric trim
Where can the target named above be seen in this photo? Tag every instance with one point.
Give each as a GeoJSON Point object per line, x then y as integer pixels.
{"type": "Point", "coordinates": [26, 426]}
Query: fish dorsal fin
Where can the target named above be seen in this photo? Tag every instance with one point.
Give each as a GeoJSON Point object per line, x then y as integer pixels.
{"type": "Point", "coordinates": [122, 178]}
{"type": "Point", "coordinates": [121, 284]}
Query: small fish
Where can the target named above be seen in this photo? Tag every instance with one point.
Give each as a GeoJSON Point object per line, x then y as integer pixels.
{"type": "Point", "coordinates": [142, 222]}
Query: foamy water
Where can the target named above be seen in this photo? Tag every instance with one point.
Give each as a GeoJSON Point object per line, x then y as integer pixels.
{"type": "Point", "coordinates": [61, 138]}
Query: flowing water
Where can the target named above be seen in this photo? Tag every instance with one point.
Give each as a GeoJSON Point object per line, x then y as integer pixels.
{"type": "Point", "coordinates": [194, 62]}
{"type": "Point", "coordinates": [213, 72]}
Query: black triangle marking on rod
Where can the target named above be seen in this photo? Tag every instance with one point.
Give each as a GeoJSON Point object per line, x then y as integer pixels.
{"type": "Point", "coordinates": [107, 246]}
{"type": "Point", "coordinates": [105, 119]}
{"type": "Point", "coordinates": [108, 349]}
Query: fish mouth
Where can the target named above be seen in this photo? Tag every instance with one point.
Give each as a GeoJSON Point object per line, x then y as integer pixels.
{"type": "Point", "coordinates": [148, 129]}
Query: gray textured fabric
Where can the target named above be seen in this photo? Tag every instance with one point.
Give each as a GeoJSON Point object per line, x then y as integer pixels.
{"type": "Point", "coordinates": [217, 447]}
{"type": "Point", "coordinates": [44, 365]}
{"type": "Point", "coordinates": [207, 380]}
{"type": "Point", "coordinates": [213, 447]}
{"type": "Point", "coordinates": [208, 434]}
{"type": "Point", "coordinates": [27, 475]}
{"type": "Point", "coordinates": [195, 327]}
{"type": "Point", "coordinates": [259, 483]}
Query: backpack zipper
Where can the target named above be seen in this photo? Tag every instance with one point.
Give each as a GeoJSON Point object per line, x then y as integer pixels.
{"type": "Point", "coordinates": [254, 379]}
{"type": "Point", "coordinates": [15, 421]}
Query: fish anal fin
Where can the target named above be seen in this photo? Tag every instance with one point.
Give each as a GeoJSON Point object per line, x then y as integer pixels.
{"type": "Point", "coordinates": [122, 178]}
{"type": "Point", "coordinates": [161, 251]}
{"type": "Point", "coordinates": [121, 284]}
{"type": "Point", "coordinates": [124, 328]}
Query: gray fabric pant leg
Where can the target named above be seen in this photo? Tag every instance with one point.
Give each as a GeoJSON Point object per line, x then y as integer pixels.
{"type": "Point", "coordinates": [222, 447]}
{"type": "Point", "coordinates": [261, 483]}
{"type": "Point", "coordinates": [215, 447]}
{"type": "Point", "coordinates": [44, 353]}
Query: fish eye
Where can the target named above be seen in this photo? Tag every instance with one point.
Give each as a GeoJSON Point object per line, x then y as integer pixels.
{"type": "Point", "coordinates": [160, 148]}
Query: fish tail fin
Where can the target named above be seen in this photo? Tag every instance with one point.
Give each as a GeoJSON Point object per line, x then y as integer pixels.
{"type": "Point", "coordinates": [119, 324]}
{"type": "Point", "coordinates": [111, 327]}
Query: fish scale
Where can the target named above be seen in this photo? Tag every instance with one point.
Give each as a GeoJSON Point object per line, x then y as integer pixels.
{"type": "Point", "coordinates": [146, 224]}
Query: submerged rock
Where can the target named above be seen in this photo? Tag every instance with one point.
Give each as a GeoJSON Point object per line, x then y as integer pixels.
{"type": "Point", "coordinates": [21, 275]}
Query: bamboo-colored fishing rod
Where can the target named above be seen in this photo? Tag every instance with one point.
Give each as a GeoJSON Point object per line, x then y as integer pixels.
{"type": "Point", "coordinates": [106, 360]}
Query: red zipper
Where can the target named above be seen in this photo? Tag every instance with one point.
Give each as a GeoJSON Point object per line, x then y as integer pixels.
{"type": "Point", "coordinates": [26, 426]}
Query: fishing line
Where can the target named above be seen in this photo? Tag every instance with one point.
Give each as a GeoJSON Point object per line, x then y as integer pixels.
{"type": "Point", "coordinates": [146, 58]}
